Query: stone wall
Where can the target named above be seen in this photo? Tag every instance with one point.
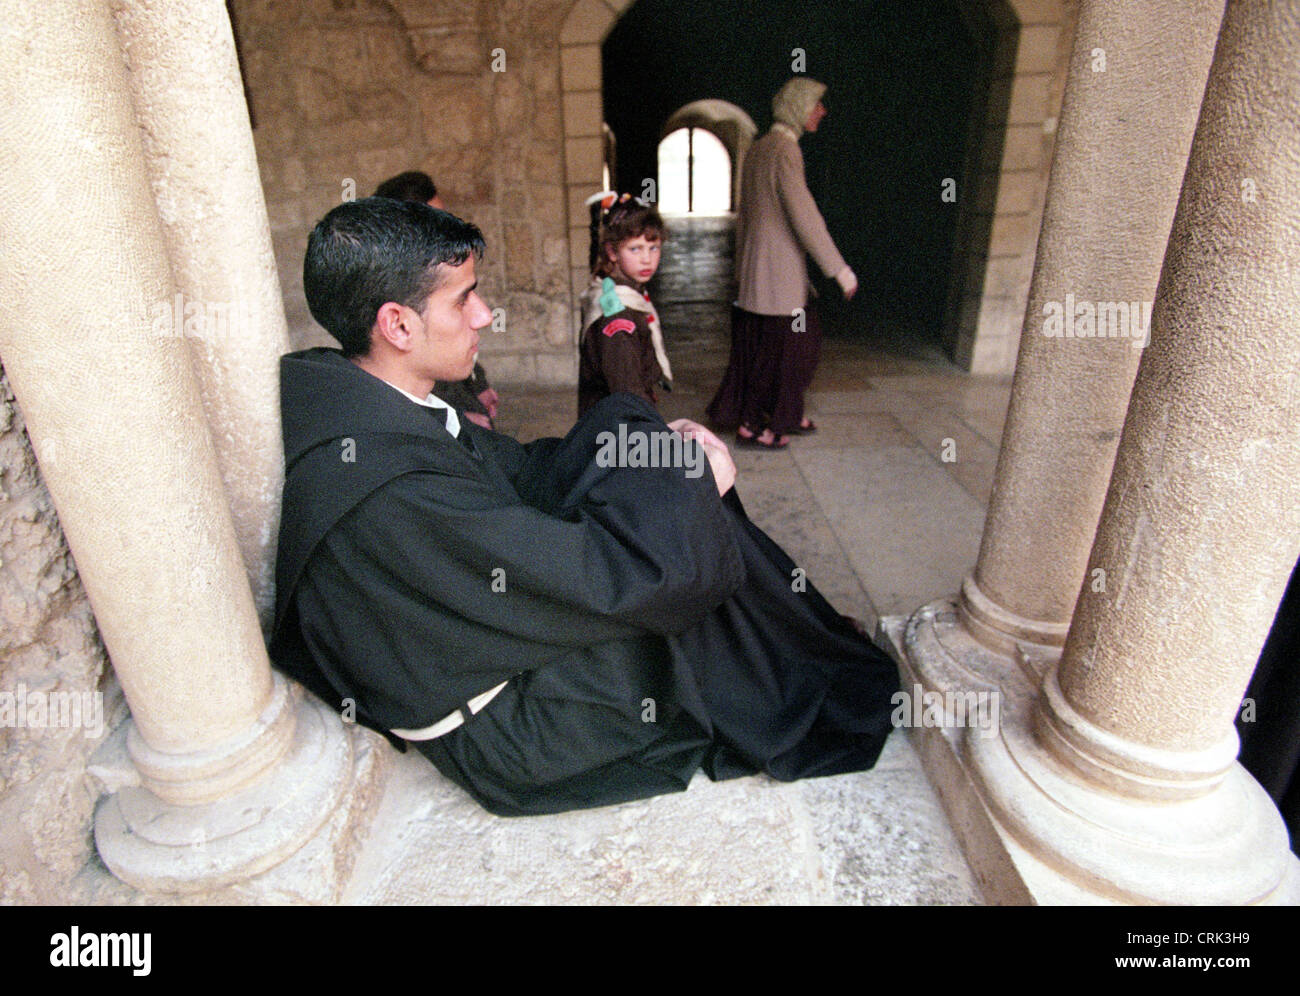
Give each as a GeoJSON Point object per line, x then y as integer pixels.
{"type": "Point", "coordinates": [346, 93]}
{"type": "Point", "coordinates": [49, 649]}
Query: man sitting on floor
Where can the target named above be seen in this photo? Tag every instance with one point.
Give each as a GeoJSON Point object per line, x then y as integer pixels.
{"type": "Point", "coordinates": [557, 625]}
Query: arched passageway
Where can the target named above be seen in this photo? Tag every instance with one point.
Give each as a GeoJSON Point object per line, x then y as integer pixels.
{"type": "Point", "coordinates": [899, 98]}
{"type": "Point", "coordinates": [694, 173]}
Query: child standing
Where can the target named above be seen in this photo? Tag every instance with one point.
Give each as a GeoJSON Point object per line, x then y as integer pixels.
{"type": "Point", "coordinates": [622, 345]}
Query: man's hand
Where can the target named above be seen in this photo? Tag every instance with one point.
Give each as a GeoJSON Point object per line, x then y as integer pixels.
{"type": "Point", "coordinates": [720, 462]}
{"type": "Point", "coordinates": [478, 419]}
{"type": "Point", "coordinates": [489, 398]}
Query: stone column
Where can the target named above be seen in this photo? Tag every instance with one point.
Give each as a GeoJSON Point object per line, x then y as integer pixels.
{"type": "Point", "coordinates": [1125, 782]}
{"type": "Point", "coordinates": [1126, 128]}
{"type": "Point", "coordinates": [189, 100]}
{"type": "Point", "coordinates": [229, 772]}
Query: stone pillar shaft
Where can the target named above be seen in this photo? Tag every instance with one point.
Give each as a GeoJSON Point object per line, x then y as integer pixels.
{"type": "Point", "coordinates": [112, 408]}
{"type": "Point", "coordinates": [1122, 774]}
{"type": "Point", "coordinates": [189, 100]}
{"type": "Point", "coordinates": [1202, 522]}
{"type": "Point", "coordinates": [224, 770]}
{"type": "Point", "coordinates": [1126, 127]}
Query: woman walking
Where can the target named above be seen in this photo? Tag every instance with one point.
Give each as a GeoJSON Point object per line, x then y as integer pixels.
{"type": "Point", "coordinates": [775, 331]}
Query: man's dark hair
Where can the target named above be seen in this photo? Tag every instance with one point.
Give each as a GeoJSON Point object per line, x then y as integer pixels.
{"type": "Point", "coordinates": [410, 186]}
{"type": "Point", "coordinates": [366, 253]}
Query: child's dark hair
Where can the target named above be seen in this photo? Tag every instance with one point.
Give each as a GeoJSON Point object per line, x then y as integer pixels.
{"type": "Point", "coordinates": [626, 219]}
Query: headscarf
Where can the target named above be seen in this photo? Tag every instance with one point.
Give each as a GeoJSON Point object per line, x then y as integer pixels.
{"type": "Point", "coordinates": [795, 101]}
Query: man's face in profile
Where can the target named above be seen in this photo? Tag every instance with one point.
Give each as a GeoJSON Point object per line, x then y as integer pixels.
{"type": "Point", "coordinates": [447, 342]}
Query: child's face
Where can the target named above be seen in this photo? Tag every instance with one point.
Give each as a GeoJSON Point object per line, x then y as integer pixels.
{"type": "Point", "coordinates": [636, 260]}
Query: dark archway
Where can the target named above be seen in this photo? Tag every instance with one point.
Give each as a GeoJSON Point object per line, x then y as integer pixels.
{"type": "Point", "coordinates": [900, 99]}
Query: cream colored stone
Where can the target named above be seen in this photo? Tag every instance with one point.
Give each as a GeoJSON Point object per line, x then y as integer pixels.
{"type": "Point", "coordinates": [583, 114]}
{"type": "Point", "coordinates": [988, 355]}
{"type": "Point", "coordinates": [1013, 235]}
{"type": "Point", "coordinates": [580, 67]}
{"type": "Point", "coordinates": [1091, 203]}
{"type": "Point", "coordinates": [1211, 528]}
{"type": "Point", "coordinates": [1057, 774]}
{"type": "Point", "coordinates": [1022, 147]}
{"type": "Point", "coordinates": [579, 247]}
{"type": "Point", "coordinates": [1008, 276]}
{"type": "Point", "coordinates": [582, 161]}
{"type": "Point", "coordinates": [1037, 51]}
{"type": "Point", "coordinates": [455, 115]}
{"type": "Point", "coordinates": [999, 318]}
{"type": "Point", "coordinates": [442, 52]}
{"type": "Point", "coordinates": [557, 370]}
{"type": "Point", "coordinates": [1030, 98]}
{"type": "Point", "coordinates": [209, 844]}
{"type": "Point", "coordinates": [546, 161]}
{"type": "Point", "coordinates": [512, 104]}
{"type": "Point", "coordinates": [173, 604]}
{"type": "Point", "coordinates": [189, 98]}
{"type": "Point", "coordinates": [179, 624]}
{"type": "Point", "coordinates": [546, 124]}
{"type": "Point", "coordinates": [519, 255]}
{"type": "Point", "coordinates": [1019, 192]}
{"type": "Point", "coordinates": [548, 216]}
{"type": "Point", "coordinates": [588, 22]}
{"type": "Point", "coordinates": [1038, 11]}
{"type": "Point", "coordinates": [509, 368]}
{"type": "Point", "coordinates": [576, 195]}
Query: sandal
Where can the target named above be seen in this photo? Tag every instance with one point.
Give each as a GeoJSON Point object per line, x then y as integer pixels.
{"type": "Point", "coordinates": [805, 428]}
{"type": "Point", "coordinates": [755, 441]}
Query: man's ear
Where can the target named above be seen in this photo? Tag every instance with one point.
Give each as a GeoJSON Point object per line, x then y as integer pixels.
{"type": "Point", "coordinates": [393, 326]}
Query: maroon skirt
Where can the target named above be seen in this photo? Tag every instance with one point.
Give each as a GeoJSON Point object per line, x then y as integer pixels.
{"type": "Point", "coordinates": [771, 365]}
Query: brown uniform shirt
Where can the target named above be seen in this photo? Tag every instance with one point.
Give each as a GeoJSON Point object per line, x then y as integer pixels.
{"type": "Point", "coordinates": [617, 355]}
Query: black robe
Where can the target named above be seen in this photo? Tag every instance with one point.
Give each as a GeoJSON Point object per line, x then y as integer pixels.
{"type": "Point", "coordinates": [644, 626]}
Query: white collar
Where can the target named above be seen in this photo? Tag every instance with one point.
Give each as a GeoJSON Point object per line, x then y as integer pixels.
{"type": "Point", "coordinates": [433, 401]}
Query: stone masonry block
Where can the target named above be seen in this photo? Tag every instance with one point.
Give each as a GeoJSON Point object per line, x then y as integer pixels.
{"type": "Point", "coordinates": [580, 67]}
{"type": "Point", "coordinates": [589, 21]}
{"type": "Point", "coordinates": [1037, 51]}
{"type": "Point", "coordinates": [1018, 191]}
{"type": "Point", "coordinates": [1023, 148]}
{"type": "Point", "coordinates": [1030, 95]}
{"type": "Point", "coordinates": [1038, 11]}
{"type": "Point", "coordinates": [583, 159]}
{"type": "Point", "coordinates": [583, 113]}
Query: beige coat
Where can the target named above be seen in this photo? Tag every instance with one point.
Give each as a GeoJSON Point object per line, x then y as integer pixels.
{"type": "Point", "coordinates": [778, 223]}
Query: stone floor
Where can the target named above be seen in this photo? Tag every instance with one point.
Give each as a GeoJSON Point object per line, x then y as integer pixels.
{"type": "Point", "coordinates": [884, 506]}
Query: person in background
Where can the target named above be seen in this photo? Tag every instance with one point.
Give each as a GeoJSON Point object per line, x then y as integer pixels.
{"type": "Point", "coordinates": [775, 330]}
{"type": "Point", "coordinates": [473, 396]}
{"type": "Point", "coordinates": [413, 185]}
{"type": "Point", "coordinates": [622, 348]}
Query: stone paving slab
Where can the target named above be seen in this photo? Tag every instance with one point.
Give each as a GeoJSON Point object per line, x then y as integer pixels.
{"type": "Point", "coordinates": [875, 837]}
{"type": "Point", "coordinates": [909, 529]}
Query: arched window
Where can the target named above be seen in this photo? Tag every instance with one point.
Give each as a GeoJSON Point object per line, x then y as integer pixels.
{"type": "Point", "coordinates": [694, 173]}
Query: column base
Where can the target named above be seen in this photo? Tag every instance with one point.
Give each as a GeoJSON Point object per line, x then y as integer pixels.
{"type": "Point", "coordinates": [948, 658]}
{"type": "Point", "coordinates": [165, 847]}
{"type": "Point", "coordinates": [1035, 832]}
{"type": "Point", "coordinates": [1004, 631]}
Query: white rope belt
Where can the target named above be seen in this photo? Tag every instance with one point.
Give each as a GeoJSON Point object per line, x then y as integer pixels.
{"type": "Point", "coordinates": [451, 722]}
